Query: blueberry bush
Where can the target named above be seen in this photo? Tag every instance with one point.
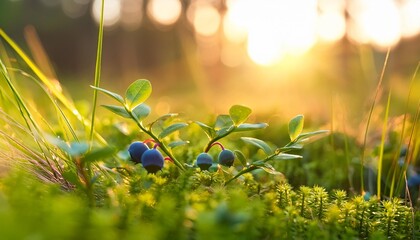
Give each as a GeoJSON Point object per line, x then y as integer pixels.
{"type": "Point", "coordinates": [132, 177]}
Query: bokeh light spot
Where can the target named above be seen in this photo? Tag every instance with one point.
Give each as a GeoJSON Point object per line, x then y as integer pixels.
{"type": "Point", "coordinates": [164, 12]}
{"type": "Point", "coordinates": [131, 14]}
{"type": "Point", "coordinates": [112, 12]}
{"type": "Point", "coordinates": [206, 20]}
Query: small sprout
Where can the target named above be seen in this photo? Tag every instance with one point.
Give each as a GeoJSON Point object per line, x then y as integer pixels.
{"type": "Point", "coordinates": [204, 161]}
{"type": "Point", "coordinates": [152, 160]}
{"type": "Point", "coordinates": [226, 158]}
{"type": "Point", "coordinates": [136, 151]}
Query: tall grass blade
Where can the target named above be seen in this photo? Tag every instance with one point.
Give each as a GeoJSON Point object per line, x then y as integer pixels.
{"type": "Point", "coordinates": [97, 71]}
{"type": "Point", "coordinates": [409, 156]}
{"type": "Point", "coordinates": [397, 154]}
{"type": "Point", "coordinates": [378, 87]}
{"type": "Point", "coordinates": [26, 115]}
{"type": "Point", "coordinates": [49, 84]}
{"type": "Point", "coordinates": [60, 112]}
{"type": "Point", "coordinates": [381, 148]}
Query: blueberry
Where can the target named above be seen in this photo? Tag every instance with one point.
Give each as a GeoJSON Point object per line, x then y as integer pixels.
{"type": "Point", "coordinates": [226, 158]}
{"type": "Point", "coordinates": [413, 181]}
{"type": "Point", "coordinates": [152, 160]}
{"type": "Point", "coordinates": [136, 150]}
{"type": "Point", "coordinates": [204, 161]}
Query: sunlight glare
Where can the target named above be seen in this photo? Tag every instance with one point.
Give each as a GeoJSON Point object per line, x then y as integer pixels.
{"type": "Point", "coordinates": [281, 29]}
{"type": "Point", "coordinates": [237, 19]}
{"type": "Point", "coordinates": [331, 20]}
{"type": "Point", "coordinates": [410, 14]}
{"type": "Point", "coordinates": [206, 19]}
{"type": "Point", "coordinates": [112, 12]}
{"type": "Point", "coordinates": [376, 22]}
{"type": "Point", "coordinates": [331, 26]}
{"type": "Point", "coordinates": [164, 12]}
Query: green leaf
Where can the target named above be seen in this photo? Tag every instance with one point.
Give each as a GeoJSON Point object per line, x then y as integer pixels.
{"type": "Point", "coordinates": [166, 116]}
{"type": "Point", "coordinates": [241, 157]}
{"type": "Point", "coordinates": [137, 93]}
{"type": "Point", "coordinates": [78, 148]}
{"type": "Point", "coordinates": [117, 110]}
{"type": "Point", "coordinates": [250, 126]}
{"type": "Point", "coordinates": [141, 111]}
{"type": "Point", "coordinates": [285, 156]}
{"type": "Point", "coordinates": [269, 169]}
{"type": "Point", "coordinates": [259, 143]}
{"type": "Point", "coordinates": [294, 146]}
{"type": "Point", "coordinates": [98, 154]}
{"type": "Point", "coordinates": [223, 121]}
{"type": "Point", "coordinates": [177, 143]}
{"type": "Point", "coordinates": [58, 143]}
{"type": "Point", "coordinates": [111, 94]}
{"type": "Point", "coordinates": [223, 131]}
{"type": "Point", "coordinates": [295, 127]}
{"type": "Point", "coordinates": [210, 132]}
{"type": "Point", "coordinates": [239, 114]}
{"type": "Point", "coordinates": [305, 136]}
{"type": "Point", "coordinates": [172, 128]}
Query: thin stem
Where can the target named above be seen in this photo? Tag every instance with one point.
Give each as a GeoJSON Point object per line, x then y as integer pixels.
{"type": "Point", "coordinates": [210, 143]}
{"type": "Point", "coordinates": [217, 143]}
{"type": "Point", "coordinates": [252, 167]}
{"type": "Point", "coordinates": [148, 141]}
{"type": "Point", "coordinates": [156, 139]}
{"type": "Point", "coordinates": [242, 172]}
{"type": "Point", "coordinates": [97, 71]}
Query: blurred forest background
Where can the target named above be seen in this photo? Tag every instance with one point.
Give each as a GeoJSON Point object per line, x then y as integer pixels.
{"type": "Point", "coordinates": [321, 58]}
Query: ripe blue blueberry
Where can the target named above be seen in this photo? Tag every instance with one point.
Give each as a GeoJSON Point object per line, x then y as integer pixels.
{"type": "Point", "coordinates": [204, 161]}
{"type": "Point", "coordinates": [226, 158]}
{"type": "Point", "coordinates": [152, 160]}
{"type": "Point", "coordinates": [136, 150]}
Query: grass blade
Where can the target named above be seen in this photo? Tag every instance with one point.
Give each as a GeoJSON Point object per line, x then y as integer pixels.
{"type": "Point", "coordinates": [378, 88]}
{"type": "Point", "coordinates": [381, 150]}
{"type": "Point", "coordinates": [396, 155]}
{"type": "Point", "coordinates": [97, 72]}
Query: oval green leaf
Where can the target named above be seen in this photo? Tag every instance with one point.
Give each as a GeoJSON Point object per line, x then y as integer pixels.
{"type": "Point", "coordinates": [117, 110]}
{"type": "Point", "coordinates": [210, 132]}
{"type": "Point", "coordinates": [141, 111]}
{"type": "Point", "coordinates": [78, 148]}
{"type": "Point", "coordinates": [223, 121]}
{"type": "Point", "coordinates": [305, 136]}
{"type": "Point", "coordinates": [295, 127]}
{"type": "Point", "coordinates": [137, 93]}
{"type": "Point", "coordinates": [259, 143]}
{"type": "Point", "coordinates": [269, 169]}
{"type": "Point", "coordinates": [172, 128]}
{"type": "Point", "coordinates": [285, 156]}
{"type": "Point", "coordinates": [241, 157]}
{"type": "Point", "coordinates": [177, 143]}
{"type": "Point", "coordinates": [239, 114]}
{"type": "Point", "coordinates": [250, 127]}
{"type": "Point", "coordinates": [111, 94]}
